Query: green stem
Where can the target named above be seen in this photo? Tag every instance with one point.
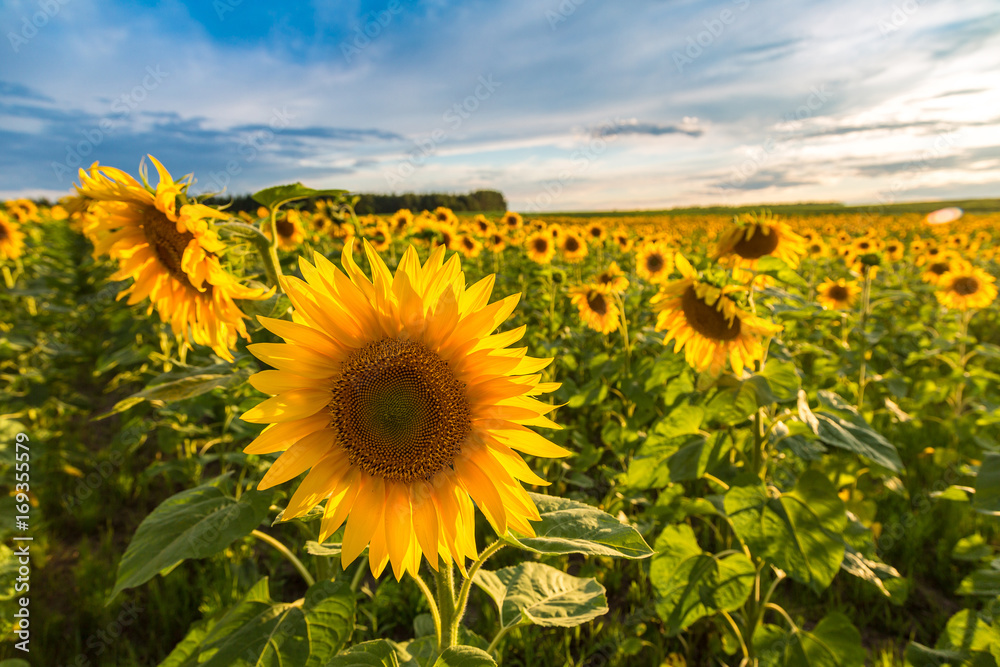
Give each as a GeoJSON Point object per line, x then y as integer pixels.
{"type": "Point", "coordinates": [463, 592]}
{"type": "Point", "coordinates": [435, 614]}
{"type": "Point", "coordinates": [960, 387]}
{"type": "Point", "coordinates": [866, 292]}
{"type": "Point", "coordinates": [446, 606]}
{"type": "Point", "coordinates": [496, 640]}
{"type": "Point", "coordinates": [283, 550]}
{"type": "Point", "coordinates": [359, 574]}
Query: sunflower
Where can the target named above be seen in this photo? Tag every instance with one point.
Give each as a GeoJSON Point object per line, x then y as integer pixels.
{"type": "Point", "coordinates": [406, 407]}
{"type": "Point", "coordinates": [469, 246]}
{"type": "Point", "coordinates": [654, 262]}
{"type": "Point", "coordinates": [573, 247]}
{"type": "Point", "coordinates": [555, 230]}
{"type": "Point", "coordinates": [11, 238]}
{"type": "Point", "coordinates": [596, 233]}
{"type": "Point", "coordinates": [622, 240]}
{"type": "Point", "coordinates": [380, 237]}
{"type": "Point", "coordinates": [540, 247]}
{"type": "Point", "coordinates": [290, 231]}
{"type": "Point", "coordinates": [401, 220]}
{"type": "Point", "coordinates": [597, 310]}
{"type": "Point", "coordinates": [612, 280]}
{"type": "Point", "coordinates": [966, 287]}
{"type": "Point", "coordinates": [445, 216]}
{"type": "Point", "coordinates": [22, 210]}
{"type": "Point", "coordinates": [511, 221]}
{"type": "Point", "coordinates": [839, 295]}
{"type": "Point", "coordinates": [865, 245]}
{"type": "Point", "coordinates": [171, 252]}
{"type": "Point", "coordinates": [932, 254]}
{"type": "Point", "coordinates": [482, 225]}
{"type": "Point", "coordinates": [919, 245]}
{"type": "Point", "coordinates": [708, 325]}
{"type": "Point", "coordinates": [817, 248]}
{"type": "Point", "coordinates": [894, 250]}
{"type": "Point", "coordinates": [756, 236]}
{"type": "Point", "coordinates": [935, 269]}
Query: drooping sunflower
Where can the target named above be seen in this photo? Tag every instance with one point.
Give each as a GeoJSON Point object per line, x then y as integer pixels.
{"type": "Point", "coordinates": [708, 325]}
{"type": "Point", "coordinates": [540, 247]}
{"type": "Point", "coordinates": [965, 287]}
{"type": "Point", "coordinates": [597, 310]}
{"type": "Point", "coordinates": [405, 405]}
{"type": "Point", "coordinates": [11, 238]}
{"type": "Point", "coordinates": [170, 249]}
{"type": "Point", "coordinates": [611, 280]}
{"type": "Point", "coordinates": [837, 295]}
{"type": "Point", "coordinates": [756, 236]}
{"type": "Point", "coordinates": [573, 247]}
{"type": "Point", "coordinates": [654, 262]}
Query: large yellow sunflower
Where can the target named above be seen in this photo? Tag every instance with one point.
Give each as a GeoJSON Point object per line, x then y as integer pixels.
{"type": "Point", "coordinates": [839, 295]}
{"type": "Point", "coordinates": [171, 251]}
{"type": "Point", "coordinates": [11, 238]}
{"type": "Point", "coordinates": [756, 236]}
{"type": "Point", "coordinates": [965, 287]}
{"type": "Point", "coordinates": [597, 310]}
{"type": "Point", "coordinates": [404, 404]}
{"type": "Point", "coordinates": [708, 325]}
{"type": "Point", "coordinates": [541, 247]}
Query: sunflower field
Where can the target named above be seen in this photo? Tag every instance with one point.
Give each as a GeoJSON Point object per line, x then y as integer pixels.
{"type": "Point", "coordinates": [300, 437]}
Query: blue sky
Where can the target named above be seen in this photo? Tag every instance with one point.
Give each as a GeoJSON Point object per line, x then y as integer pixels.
{"type": "Point", "coordinates": [560, 104]}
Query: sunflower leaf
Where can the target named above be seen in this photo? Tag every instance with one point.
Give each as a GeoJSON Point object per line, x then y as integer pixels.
{"type": "Point", "coordinates": [280, 194]}
{"type": "Point", "coordinates": [195, 523]}
{"type": "Point", "coordinates": [987, 498]}
{"type": "Point", "coordinates": [542, 595]}
{"type": "Point", "coordinates": [567, 526]}
{"type": "Point", "coordinates": [834, 642]}
{"type": "Point", "coordinates": [465, 656]}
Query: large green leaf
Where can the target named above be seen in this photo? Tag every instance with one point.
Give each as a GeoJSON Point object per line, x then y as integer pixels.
{"type": "Point", "coordinates": [540, 594]}
{"type": "Point", "coordinates": [969, 636]}
{"type": "Point", "coordinates": [834, 642]}
{"type": "Point", "coordinates": [691, 584]}
{"type": "Point", "coordinates": [987, 498]}
{"type": "Point", "coordinates": [280, 194]}
{"type": "Point", "coordinates": [839, 425]}
{"type": "Point", "coordinates": [798, 532]}
{"type": "Point", "coordinates": [647, 469]}
{"type": "Point", "coordinates": [465, 656]}
{"type": "Point", "coordinates": [567, 526]}
{"type": "Point", "coordinates": [194, 523]}
{"type": "Point", "coordinates": [329, 612]}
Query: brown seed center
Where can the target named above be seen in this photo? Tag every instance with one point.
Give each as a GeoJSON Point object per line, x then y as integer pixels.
{"type": "Point", "coordinates": [758, 245]}
{"type": "Point", "coordinates": [285, 229]}
{"type": "Point", "coordinates": [572, 245]}
{"type": "Point", "coordinates": [654, 263]}
{"type": "Point", "coordinates": [965, 285]}
{"type": "Point", "coordinates": [167, 243]}
{"type": "Point", "coordinates": [541, 245]}
{"type": "Point", "coordinates": [399, 411]}
{"type": "Point", "coordinates": [938, 268]}
{"type": "Point", "coordinates": [3, 231]}
{"type": "Point", "coordinates": [838, 293]}
{"type": "Point", "coordinates": [706, 319]}
{"type": "Point", "coordinates": [597, 303]}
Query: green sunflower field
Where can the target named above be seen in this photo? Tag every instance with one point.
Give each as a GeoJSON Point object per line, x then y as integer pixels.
{"type": "Point", "coordinates": [295, 436]}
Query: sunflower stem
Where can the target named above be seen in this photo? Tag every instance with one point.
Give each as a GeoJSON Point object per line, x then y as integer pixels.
{"type": "Point", "coordinates": [866, 292]}
{"type": "Point", "coordinates": [435, 614]}
{"type": "Point", "coordinates": [463, 593]}
{"type": "Point", "coordinates": [446, 605]}
{"type": "Point", "coordinates": [963, 332]}
{"type": "Point", "coordinates": [284, 551]}
{"type": "Point", "coordinates": [271, 263]}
